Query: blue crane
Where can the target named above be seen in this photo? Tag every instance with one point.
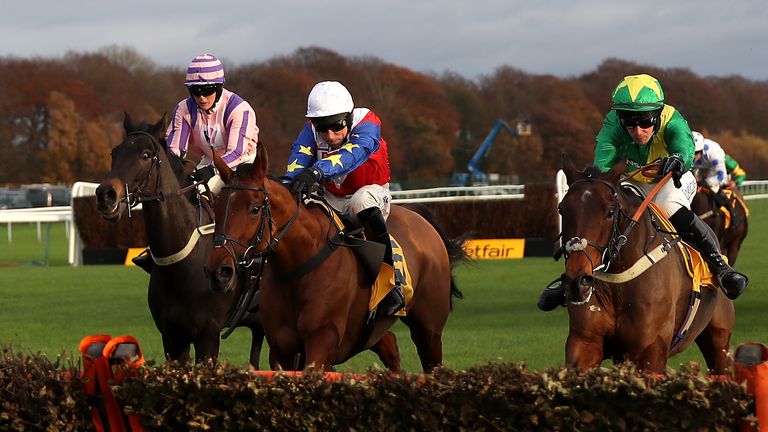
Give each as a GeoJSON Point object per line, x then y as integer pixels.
{"type": "Point", "coordinates": [475, 175]}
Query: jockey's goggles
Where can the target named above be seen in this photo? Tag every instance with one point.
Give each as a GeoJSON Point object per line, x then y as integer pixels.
{"type": "Point", "coordinates": [203, 90]}
{"type": "Point", "coordinates": [335, 126]}
{"type": "Point", "coordinates": [644, 121]}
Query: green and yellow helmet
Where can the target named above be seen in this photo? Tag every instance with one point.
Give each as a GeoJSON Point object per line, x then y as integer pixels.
{"type": "Point", "coordinates": [638, 93]}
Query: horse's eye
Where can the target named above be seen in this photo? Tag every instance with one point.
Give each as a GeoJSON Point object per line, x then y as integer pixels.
{"type": "Point", "coordinates": [611, 212]}
{"type": "Point", "coordinates": [255, 209]}
{"type": "Point", "coordinates": [146, 154]}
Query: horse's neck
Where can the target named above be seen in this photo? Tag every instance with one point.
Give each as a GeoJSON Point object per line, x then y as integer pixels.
{"type": "Point", "coordinates": [170, 221]}
{"type": "Point", "coordinates": [306, 236]}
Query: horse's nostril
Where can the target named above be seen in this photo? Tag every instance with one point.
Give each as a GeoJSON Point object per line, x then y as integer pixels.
{"type": "Point", "coordinates": [225, 273]}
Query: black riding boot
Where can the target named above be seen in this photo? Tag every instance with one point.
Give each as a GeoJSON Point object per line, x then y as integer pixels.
{"type": "Point", "coordinates": [144, 260]}
{"type": "Point", "coordinates": [376, 230]}
{"type": "Point", "coordinates": [553, 295]}
{"type": "Point", "coordinates": [698, 234]}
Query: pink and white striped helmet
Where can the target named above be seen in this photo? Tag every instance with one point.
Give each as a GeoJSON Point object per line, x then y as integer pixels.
{"type": "Point", "coordinates": [204, 69]}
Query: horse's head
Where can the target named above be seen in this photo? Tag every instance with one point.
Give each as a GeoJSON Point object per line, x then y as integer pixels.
{"type": "Point", "coordinates": [590, 216]}
{"type": "Point", "coordinates": [243, 221]}
{"type": "Point", "coordinates": [135, 171]}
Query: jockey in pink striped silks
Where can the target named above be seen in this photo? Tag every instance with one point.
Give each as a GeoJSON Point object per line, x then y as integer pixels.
{"type": "Point", "coordinates": [212, 116]}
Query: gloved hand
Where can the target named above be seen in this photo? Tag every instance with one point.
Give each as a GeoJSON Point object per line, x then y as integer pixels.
{"type": "Point", "coordinates": [303, 182]}
{"type": "Point", "coordinates": [672, 164]}
{"type": "Point", "coordinates": [721, 199]}
{"type": "Point", "coordinates": [203, 174]}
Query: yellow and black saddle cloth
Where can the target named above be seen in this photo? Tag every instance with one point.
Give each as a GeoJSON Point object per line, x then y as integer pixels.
{"type": "Point", "coordinates": [385, 276]}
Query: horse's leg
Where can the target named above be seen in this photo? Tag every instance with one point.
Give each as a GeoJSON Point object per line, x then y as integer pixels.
{"type": "Point", "coordinates": [653, 358]}
{"type": "Point", "coordinates": [714, 341]}
{"type": "Point", "coordinates": [388, 352]}
{"type": "Point", "coordinates": [175, 350]}
{"type": "Point", "coordinates": [207, 345]}
{"type": "Point", "coordinates": [583, 353]}
{"type": "Point", "coordinates": [429, 343]}
{"type": "Point", "coordinates": [257, 339]}
{"type": "Point", "coordinates": [320, 347]}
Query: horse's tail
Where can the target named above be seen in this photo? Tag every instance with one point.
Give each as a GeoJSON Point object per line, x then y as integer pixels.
{"type": "Point", "coordinates": [454, 246]}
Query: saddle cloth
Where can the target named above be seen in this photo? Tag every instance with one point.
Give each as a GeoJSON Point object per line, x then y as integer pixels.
{"type": "Point", "coordinates": [697, 268]}
{"type": "Point", "coordinates": [386, 279]}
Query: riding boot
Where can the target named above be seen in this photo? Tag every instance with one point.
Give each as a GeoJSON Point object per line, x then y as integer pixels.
{"type": "Point", "coordinates": [376, 230]}
{"type": "Point", "coordinates": [553, 295]}
{"type": "Point", "coordinates": [698, 234]}
{"type": "Point", "coordinates": [144, 260]}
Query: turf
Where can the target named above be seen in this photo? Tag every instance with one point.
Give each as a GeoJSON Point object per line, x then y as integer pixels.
{"type": "Point", "coordinates": [48, 309]}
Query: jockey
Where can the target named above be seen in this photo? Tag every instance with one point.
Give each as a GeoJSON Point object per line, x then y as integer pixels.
{"type": "Point", "coordinates": [211, 116]}
{"type": "Point", "coordinates": [709, 162]}
{"type": "Point", "coordinates": [641, 129]}
{"type": "Point", "coordinates": [341, 148]}
{"type": "Point", "coordinates": [736, 172]}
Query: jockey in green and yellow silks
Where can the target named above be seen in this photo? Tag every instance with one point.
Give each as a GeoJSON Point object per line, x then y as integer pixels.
{"type": "Point", "coordinates": [642, 129]}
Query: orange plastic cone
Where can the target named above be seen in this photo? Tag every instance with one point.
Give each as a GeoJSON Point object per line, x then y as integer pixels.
{"type": "Point", "coordinates": [751, 365]}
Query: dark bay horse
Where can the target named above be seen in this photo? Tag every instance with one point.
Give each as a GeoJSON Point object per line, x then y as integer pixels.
{"type": "Point", "coordinates": [314, 314]}
{"type": "Point", "coordinates": [185, 310]}
{"type": "Point", "coordinates": [709, 211]}
{"type": "Point", "coordinates": [618, 317]}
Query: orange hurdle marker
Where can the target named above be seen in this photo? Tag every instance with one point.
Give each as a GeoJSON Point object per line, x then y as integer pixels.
{"type": "Point", "coordinates": [751, 365]}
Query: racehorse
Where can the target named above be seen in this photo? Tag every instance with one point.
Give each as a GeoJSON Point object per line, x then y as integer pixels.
{"type": "Point", "coordinates": [185, 310]}
{"type": "Point", "coordinates": [314, 305]}
{"type": "Point", "coordinates": [705, 206]}
{"type": "Point", "coordinates": [618, 317]}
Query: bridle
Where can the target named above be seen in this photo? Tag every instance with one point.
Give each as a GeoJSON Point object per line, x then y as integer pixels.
{"type": "Point", "coordinates": [610, 251]}
{"type": "Point", "coordinates": [133, 199]}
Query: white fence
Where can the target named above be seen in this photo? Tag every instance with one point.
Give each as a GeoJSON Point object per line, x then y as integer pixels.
{"type": "Point", "coordinates": [754, 189]}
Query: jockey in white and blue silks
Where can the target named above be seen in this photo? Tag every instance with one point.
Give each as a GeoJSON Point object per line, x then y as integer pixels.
{"type": "Point", "coordinates": [709, 160]}
{"type": "Point", "coordinates": [212, 116]}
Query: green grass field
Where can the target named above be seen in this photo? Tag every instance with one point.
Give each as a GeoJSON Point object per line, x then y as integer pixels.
{"type": "Point", "coordinates": [50, 308]}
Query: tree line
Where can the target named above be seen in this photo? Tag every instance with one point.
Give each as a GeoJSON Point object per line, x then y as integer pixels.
{"type": "Point", "coordinates": [60, 117]}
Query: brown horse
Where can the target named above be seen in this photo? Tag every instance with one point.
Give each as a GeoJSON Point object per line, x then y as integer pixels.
{"type": "Point", "coordinates": [614, 316]}
{"type": "Point", "coordinates": [708, 210]}
{"type": "Point", "coordinates": [185, 310]}
{"type": "Point", "coordinates": [315, 293]}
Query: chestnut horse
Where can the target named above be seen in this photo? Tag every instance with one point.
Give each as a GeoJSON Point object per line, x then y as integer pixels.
{"type": "Point", "coordinates": [185, 310]}
{"type": "Point", "coordinates": [315, 293]}
{"type": "Point", "coordinates": [614, 316]}
{"type": "Point", "coordinates": [731, 237]}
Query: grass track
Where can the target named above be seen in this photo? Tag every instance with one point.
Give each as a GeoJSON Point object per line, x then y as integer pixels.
{"type": "Point", "coordinates": [50, 308]}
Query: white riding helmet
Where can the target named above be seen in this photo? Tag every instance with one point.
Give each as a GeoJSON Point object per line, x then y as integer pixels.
{"type": "Point", "coordinates": [698, 141]}
{"type": "Point", "coordinates": [329, 98]}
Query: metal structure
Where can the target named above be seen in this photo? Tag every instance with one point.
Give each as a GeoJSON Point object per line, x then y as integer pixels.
{"type": "Point", "coordinates": [475, 176]}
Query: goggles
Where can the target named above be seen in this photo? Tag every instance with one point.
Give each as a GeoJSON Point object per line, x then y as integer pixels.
{"type": "Point", "coordinates": [336, 126]}
{"type": "Point", "coordinates": [643, 123]}
{"type": "Point", "coordinates": [203, 90]}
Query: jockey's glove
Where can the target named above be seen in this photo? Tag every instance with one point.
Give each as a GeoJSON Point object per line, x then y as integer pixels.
{"type": "Point", "coordinates": [672, 164]}
{"type": "Point", "coordinates": [304, 181]}
{"type": "Point", "coordinates": [203, 174]}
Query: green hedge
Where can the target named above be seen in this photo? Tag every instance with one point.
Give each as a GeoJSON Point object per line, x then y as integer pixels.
{"type": "Point", "coordinates": [39, 394]}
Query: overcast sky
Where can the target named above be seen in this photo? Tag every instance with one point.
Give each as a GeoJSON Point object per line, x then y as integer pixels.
{"type": "Point", "coordinates": [471, 37]}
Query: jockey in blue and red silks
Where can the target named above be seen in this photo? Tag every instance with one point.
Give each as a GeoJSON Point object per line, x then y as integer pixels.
{"type": "Point", "coordinates": [341, 148]}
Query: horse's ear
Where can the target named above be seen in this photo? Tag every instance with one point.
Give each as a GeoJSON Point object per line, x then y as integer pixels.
{"type": "Point", "coordinates": [262, 159]}
{"type": "Point", "coordinates": [225, 172]}
{"type": "Point", "coordinates": [128, 123]}
{"type": "Point", "coordinates": [614, 175]}
{"type": "Point", "coordinates": [158, 129]}
{"type": "Point", "coordinates": [569, 169]}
